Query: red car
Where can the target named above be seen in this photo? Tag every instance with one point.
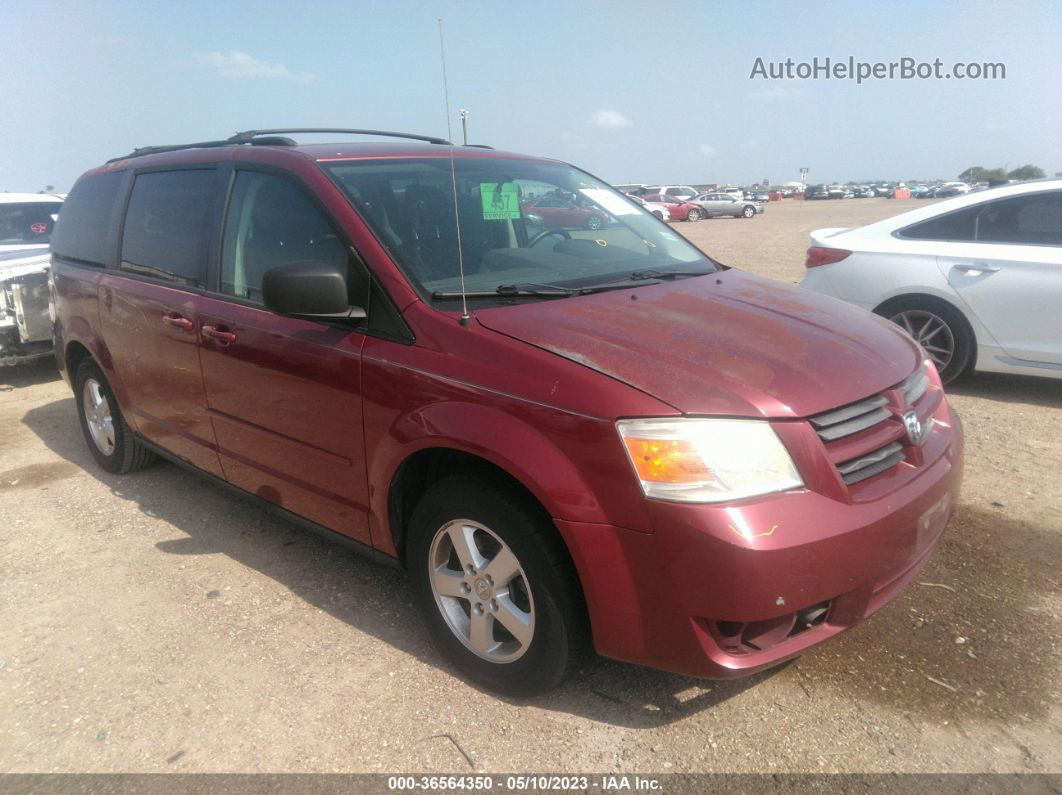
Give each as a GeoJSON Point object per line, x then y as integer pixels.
{"type": "Point", "coordinates": [567, 442]}
{"type": "Point", "coordinates": [557, 211]}
{"type": "Point", "coordinates": [680, 210]}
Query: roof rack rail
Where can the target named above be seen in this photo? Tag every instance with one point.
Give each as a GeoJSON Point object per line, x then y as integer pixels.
{"type": "Point", "coordinates": [248, 135]}
{"type": "Point", "coordinates": [272, 138]}
{"type": "Point", "coordinates": [141, 151]}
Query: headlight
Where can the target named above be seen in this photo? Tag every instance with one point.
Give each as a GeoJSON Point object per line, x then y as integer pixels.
{"type": "Point", "coordinates": [706, 460]}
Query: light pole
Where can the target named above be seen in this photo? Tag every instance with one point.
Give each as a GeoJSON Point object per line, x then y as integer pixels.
{"type": "Point", "coordinates": [464, 124]}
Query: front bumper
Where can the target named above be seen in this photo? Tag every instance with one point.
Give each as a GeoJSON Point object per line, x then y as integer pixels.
{"type": "Point", "coordinates": [667, 598]}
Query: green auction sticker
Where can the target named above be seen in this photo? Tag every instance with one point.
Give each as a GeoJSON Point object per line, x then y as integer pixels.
{"type": "Point", "coordinates": [501, 200]}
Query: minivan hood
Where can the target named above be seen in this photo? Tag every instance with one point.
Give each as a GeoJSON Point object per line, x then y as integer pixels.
{"type": "Point", "coordinates": [730, 343]}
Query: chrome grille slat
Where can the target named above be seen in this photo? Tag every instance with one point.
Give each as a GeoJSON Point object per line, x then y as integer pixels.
{"type": "Point", "coordinates": [869, 459]}
{"type": "Point", "coordinates": [874, 469]}
{"type": "Point", "coordinates": [860, 423]}
{"type": "Point", "coordinates": [915, 386]}
{"type": "Point", "coordinates": [836, 416]}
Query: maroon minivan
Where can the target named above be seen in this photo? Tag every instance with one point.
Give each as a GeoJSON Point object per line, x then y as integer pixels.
{"type": "Point", "coordinates": [567, 436]}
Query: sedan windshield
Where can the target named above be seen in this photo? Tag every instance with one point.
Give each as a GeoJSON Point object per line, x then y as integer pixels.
{"type": "Point", "coordinates": [521, 222]}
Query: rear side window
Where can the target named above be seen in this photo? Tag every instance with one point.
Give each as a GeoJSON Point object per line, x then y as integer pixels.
{"type": "Point", "coordinates": [85, 220]}
{"type": "Point", "coordinates": [28, 223]}
{"type": "Point", "coordinates": [957, 226]}
{"type": "Point", "coordinates": [1035, 219]}
{"type": "Point", "coordinates": [166, 225]}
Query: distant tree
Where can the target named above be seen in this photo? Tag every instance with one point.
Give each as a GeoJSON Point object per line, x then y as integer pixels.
{"type": "Point", "coordinates": [47, 189]}
{"type": "Point", "coordinates": [993, 175]}
{"type": "Point", "coordinates": [1028, 171]}
{"type": "Point", "coordinates": [972, 174]}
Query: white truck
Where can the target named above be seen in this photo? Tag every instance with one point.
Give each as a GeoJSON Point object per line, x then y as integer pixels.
{"type": "Point", "coordinates": [26, 223]}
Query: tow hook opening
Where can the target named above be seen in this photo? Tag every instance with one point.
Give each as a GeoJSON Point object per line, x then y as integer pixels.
{"type": "Point", "coordinates": [746, 637]}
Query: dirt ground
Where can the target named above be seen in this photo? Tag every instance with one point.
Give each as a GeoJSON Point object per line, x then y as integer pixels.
{"type": "Point", "coordinates": [155, 623]}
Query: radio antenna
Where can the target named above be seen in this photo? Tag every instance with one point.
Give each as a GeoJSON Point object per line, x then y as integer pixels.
{"type": "Point", "coordinates": [465, 317]}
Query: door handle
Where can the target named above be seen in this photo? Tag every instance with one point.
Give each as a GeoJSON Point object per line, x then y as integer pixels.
{"type": "Point", "coordinates": [177, 321]}
{"type": "Point", "coordinates": [976, 268]}
{"type": "Point", "coordinates": [219, 334]}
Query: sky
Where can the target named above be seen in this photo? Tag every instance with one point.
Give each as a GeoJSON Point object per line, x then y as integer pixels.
{"type": "Point", "coordinates": [646, 91]}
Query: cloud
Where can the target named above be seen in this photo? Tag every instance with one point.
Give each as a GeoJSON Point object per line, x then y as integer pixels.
{"type": "Point", "coordinates": [237, 65]}
{"type": "Point", "coordinates": [707, 150]}
{"type": "Point", "coordinates": [610, 119]}
{"type": "Point", "coordinates": [778, 91]}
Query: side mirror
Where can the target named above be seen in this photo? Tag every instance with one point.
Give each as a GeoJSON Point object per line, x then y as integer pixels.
{"type": "Point", "coordinates": [311, 289]}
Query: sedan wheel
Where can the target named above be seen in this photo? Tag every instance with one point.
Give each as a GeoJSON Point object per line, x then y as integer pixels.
{"type": "Point", "coordinates": [931, 332]}
{"type": "Point", "coordinates": [481, 591]}
{"type": "Point", "coordinates": [694, 215]}
{"type": "Point", "coordinates": [594, 222]}
{"type": "Point", "coordinates": [748, 212]}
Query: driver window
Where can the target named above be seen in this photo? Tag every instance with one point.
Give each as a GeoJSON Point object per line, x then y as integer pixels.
{"type": "Point", "coordinates": [271, 222]}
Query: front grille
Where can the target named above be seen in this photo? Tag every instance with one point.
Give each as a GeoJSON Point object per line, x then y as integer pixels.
{"type": "Point", "coordinates": [864, 439]}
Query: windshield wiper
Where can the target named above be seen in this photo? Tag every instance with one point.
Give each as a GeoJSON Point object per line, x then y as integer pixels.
{"type": "Point", "coordinates": [541, 290]}
{"type": "Point", "coordinates": [652, 273]}
{"type": "Point", "coordinates": [509, 290]}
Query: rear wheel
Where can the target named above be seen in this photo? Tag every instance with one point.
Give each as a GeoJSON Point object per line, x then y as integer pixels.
{"type": "Point", "coordinates": [939, 328]}
{"type": "Point", "coordinates": [595, 222]}
{"type": "Point", "coordinates": [695, 215]}
{"type": "Point", "coordinates": [496, 587]}
{"type": "Point", "coordinates": [109, 439]}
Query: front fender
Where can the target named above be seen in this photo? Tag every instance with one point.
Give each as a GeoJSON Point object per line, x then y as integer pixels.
{"type": "Point", "coordinates": [499, 437]}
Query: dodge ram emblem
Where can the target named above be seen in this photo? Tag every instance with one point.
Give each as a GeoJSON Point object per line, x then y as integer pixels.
{"type": "Point", "coordinates": [916, 432]}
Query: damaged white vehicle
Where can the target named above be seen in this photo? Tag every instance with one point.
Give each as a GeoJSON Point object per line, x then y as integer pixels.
{"type": "Point", "coordinates": [26, 223]}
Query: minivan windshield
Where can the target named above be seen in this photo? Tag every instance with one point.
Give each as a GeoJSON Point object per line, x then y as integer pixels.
{"type": "Point", "coordinates": [547, 226]}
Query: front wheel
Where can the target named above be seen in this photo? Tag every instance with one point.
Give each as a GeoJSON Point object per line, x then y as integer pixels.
{"type": "Point", "coordinates": [496, 587]}
{"type": "Point", "coordinates": [748, 212]}
{"type": "Point", "coordinates": [594, 222]}
{"type": "Point", "coordinates": [694, 215]}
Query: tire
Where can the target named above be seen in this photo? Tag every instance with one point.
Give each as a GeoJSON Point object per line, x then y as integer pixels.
{"type": "Point", "coordinates": [542, 598]}
{"type": "Point", "coordinates": [594, 222]}
{"type": "Point", "coordinates": [939, 328]}
{"type": "Point", "coordinates": [107, 435]}
{"type": "Point", "coordinates": [749, 211]}
{"type": "Point", "coordinates": [694, 215]}
{"type": "Point", "coordinates": [659, 215]}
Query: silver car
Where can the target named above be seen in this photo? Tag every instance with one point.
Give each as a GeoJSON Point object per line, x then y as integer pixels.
{"type": "Point", "coordinates": [718, 204]}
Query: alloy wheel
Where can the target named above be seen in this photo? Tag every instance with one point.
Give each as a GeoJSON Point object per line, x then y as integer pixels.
{"type": "Point", "coordinates": [481, 590]}
{"type": "Point", "coordinates": [931, 332]}
{"type": "Point", "coordinates": [98, 416]}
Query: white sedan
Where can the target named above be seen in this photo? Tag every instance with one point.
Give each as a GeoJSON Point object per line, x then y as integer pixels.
{"type": "Point", "coordinates": [976, 279]}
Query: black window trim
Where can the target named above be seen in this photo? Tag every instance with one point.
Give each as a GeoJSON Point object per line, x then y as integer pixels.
{"type": "Point", "coordinates": [898, 233]}
{"type": "Point", "coordinates": [228, 172]}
